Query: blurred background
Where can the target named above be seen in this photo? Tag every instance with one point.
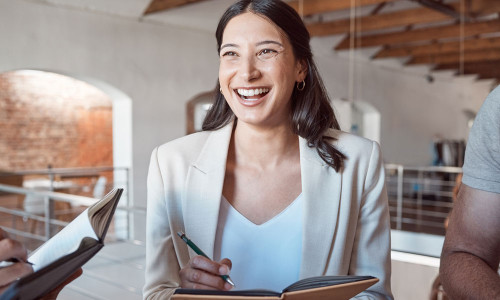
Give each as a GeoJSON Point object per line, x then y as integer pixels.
{"type": "Point", "coordinates": [89, 87]}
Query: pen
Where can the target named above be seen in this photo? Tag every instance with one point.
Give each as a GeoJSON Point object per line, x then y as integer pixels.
{"type": "Point", "coordinates": [199, 252]}
{"type": "Point", "coordinates": [17, 260]}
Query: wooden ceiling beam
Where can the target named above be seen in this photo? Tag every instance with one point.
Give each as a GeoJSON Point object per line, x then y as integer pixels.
{"type": "Point", "coordinates": [310, 7]}
{"type": "Point", "coordinates": [483, 73]}
{"type": "Point", "coordinates": [471, 66]}
{"type": "Point", "coordinates": [382, 21]}
{"type": "Point", "coordinates": [159, 5]}
{"type": "Point", "coordinates": [491, 72]}
{"type": "Point", "coordinates": [399, 18]}
{"type": "Point", "coordinates": [483, 76]}
{"type": "Point", "coordinates": [439, 48]}
{"type": "Point", "coordinates": [484, 70]}
{"type": "Point", "coordinates": [424, 34]}
{"type": "Point", "coordinates": [440, 7]}
{"type": "Point", "coordinates": [450, 58]}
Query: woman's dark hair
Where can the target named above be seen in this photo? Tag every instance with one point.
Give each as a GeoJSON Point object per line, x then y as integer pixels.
{"type": "Point", "coordinates": [311, 112]}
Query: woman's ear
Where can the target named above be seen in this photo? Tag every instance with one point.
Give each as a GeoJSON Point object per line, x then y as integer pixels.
{"type": "Point", "coordinates": [301, 70]}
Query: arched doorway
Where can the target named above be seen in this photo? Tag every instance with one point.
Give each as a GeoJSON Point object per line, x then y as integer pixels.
{"type": "Point", "coordinates": [64, 121]}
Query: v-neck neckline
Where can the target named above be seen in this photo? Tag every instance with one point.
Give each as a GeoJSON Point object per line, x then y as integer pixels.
{"type": "Point", "coordinates": [269, 222]}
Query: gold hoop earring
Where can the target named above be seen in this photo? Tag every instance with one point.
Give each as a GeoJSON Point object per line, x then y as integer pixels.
{"type": "Point", "coordinates": [301, 85]}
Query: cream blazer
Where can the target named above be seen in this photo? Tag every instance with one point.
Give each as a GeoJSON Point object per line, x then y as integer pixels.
{"type": "Point", "coordinates": [346, 217]}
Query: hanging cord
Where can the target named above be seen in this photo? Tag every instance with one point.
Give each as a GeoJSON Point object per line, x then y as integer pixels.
{"type": "Point", "coordinates": [462, 38]}
{"type": "Point", "coordinates": [358, 75]}
{"type": "Point", "coordinates": [352, 31]}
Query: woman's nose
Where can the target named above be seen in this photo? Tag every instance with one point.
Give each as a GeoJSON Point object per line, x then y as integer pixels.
{"type": "Point", "coordinates": [249, 69]}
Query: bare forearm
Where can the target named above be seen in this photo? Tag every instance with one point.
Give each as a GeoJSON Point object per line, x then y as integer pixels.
{"type": "Point", "coordinates": [465, 276]}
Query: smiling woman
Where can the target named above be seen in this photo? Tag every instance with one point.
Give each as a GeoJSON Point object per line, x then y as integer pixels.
{"type": "Point", "coordinates": [256, 56]}
{"type": "Point", "coordinates": [272, 190]}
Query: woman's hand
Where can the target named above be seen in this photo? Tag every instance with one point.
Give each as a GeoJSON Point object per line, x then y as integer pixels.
{"type": "Point", "coordinates": [11, 249]}
{"type": "Point", "coordinates": [203, 273]}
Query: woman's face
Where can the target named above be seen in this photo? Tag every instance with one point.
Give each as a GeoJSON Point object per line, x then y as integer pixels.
{"type": "Point", "coordinates": [258, 70]}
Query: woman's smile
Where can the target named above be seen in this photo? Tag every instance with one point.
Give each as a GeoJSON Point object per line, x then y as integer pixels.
{"type": "Point", "coordinates": [251, 96]}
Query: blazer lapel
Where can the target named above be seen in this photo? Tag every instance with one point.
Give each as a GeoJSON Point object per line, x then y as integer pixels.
{"type": "Point", "coordinates": [321, 187]}
{"type": "Point", "coordinates": [203, 190]}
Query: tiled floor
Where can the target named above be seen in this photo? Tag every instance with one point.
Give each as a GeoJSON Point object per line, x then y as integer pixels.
{"type": "Point", "coordinates": [116, 272]}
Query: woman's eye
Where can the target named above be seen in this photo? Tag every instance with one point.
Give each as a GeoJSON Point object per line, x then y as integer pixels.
{"type": "Point", "coordinates": [267, 53]}
{"type": "Point", "coordinates": [229, 53]}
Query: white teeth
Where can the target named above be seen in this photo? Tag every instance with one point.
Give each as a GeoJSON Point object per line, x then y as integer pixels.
{"type": "Point", "coordinates": [251, 92]}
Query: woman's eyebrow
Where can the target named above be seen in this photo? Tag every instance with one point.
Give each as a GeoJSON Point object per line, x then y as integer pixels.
{"type": "Point", "coordinates": [269, 42]}
{"type": "Point", "coordinates": [229, 45]}
{"type": "Point", "coordinates": [258, 44]}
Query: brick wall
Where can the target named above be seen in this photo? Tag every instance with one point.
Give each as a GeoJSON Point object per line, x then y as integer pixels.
{"type": "Point", "coordinates": [46, 118]}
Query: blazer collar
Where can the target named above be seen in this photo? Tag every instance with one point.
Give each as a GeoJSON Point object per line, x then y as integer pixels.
{"type": "Point", "coordinates": [321, 188]}
{"type": "Point", "coordinates": [203, 190]}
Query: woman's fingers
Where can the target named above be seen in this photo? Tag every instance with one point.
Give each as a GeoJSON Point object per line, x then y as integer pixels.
{"type": "Point", "coordinates": [203, 273]}
{"type": "Point", "coordinates": [228, 263]}
{"type": "Point", "coordinates": [199, 279]}
{"type": "Point", "coordinates": [207, 265]}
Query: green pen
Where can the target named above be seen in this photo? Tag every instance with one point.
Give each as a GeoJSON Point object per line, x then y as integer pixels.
{"type": "Point", "coordinates": [199, 252]}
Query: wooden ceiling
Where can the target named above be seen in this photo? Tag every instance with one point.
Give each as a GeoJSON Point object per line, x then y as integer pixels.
{"type": "Point", "coordinates": [460, 35]}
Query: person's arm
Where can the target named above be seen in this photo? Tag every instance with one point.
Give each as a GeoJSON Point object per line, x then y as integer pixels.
{"type": "Point", "coordinates": [471, 251]}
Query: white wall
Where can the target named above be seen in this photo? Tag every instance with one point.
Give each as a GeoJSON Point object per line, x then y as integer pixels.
{"type": "Point", "coordinates": [413, 275]}
{"type": "Point", "coordinates": [161, 66]}
{"type": "Point", "coordinates": [413, 110]}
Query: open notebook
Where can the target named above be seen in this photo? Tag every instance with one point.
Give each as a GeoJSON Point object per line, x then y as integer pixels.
{"type": "Point", "coordinates": [314, 288]}
{"type": "Point", "coordinates": [59, 257]}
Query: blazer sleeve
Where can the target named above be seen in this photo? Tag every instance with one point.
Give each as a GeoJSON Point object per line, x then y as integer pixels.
{"type": "Point", "coordinates": [371, 250]}
{"type": "Point", "coordinates": [162, 267]}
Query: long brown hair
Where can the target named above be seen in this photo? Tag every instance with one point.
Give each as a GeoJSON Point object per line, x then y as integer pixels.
{"type": "Point", "coordinates": [311, 112]}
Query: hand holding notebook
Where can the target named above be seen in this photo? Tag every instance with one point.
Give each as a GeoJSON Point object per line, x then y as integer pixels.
{"type": "Point", "coordinates": [61, 256]}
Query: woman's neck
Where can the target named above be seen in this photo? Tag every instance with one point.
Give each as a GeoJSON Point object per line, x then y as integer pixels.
{"type": "Point", "coordinates": [263, 148]}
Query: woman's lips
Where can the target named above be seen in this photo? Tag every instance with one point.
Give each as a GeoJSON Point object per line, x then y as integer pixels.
{"type": "Point", "coordinates": [251, 96]}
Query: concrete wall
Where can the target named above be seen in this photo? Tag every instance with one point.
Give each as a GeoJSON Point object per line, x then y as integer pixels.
{"type": "Point", "coordinates": [161, 66]}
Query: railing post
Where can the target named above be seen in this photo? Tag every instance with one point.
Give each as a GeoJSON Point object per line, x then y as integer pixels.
{"type": "Point", "coordinates": [128, 212]}
{"type": "Point", "coordinates": [400, 198]}
{"type": "Point", "coordinates": [419, 198]}
{"type": "Point", "coordinates": [49, 205]}
{"type": "Point", "coordinates": [48, 216]}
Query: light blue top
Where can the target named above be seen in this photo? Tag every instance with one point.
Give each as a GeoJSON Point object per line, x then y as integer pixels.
{"type": "Point", "coordinates": [482, 155]}
{"type": "Point", "coordinates": [265, 256]}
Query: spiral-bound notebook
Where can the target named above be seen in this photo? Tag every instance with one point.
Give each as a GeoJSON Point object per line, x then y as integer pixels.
{"type": "Point", "coordinates": [68, 250]}
{"type": "Point", "coordinates": [314, 288]}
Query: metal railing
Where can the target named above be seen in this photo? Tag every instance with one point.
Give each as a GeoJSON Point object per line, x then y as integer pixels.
{"type": "Point", "coordinates": [75, 188]}
{"type": "Point", "coordinates": [420, 198]}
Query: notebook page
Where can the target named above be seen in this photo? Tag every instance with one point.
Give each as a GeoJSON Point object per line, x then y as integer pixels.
{"type": "Point", "coordinates": [65, 241]}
